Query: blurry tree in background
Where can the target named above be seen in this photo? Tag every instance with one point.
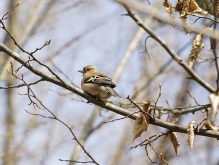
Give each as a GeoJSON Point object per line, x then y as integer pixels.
{"type": "Point", "coordinates": [144, 47]}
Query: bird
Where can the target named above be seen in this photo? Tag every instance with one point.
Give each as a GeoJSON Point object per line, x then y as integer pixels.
{"type": "Point", "coordinates": [97, 84]}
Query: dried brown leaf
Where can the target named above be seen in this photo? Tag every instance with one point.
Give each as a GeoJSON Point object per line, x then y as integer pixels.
{"type": "Point", "coordinates": [185, 8]}
{"type": "Point", "coordinates": [194, 8]}
{"type": "Point", "coordinates": [168, 6]}
{"type": "Point", "coordinates": [208, 126]}
{"type": "Point", "coordinates": [175, 142]}
{"type": "Point", "coordinates": [141, 125]}
{"type": "Point", "coordinates": [147, 109]}
{"type": "Point", "coordinates": [214, 99]}
{"type": "Point", "coordinates": [179, 6]}
{"type": "Point", "coordinates": [182, 7]}
{"type": "Point", "coordinates": [189, 7]}
{"type": "Point", "coordinates": [191, 135]}
{"type": "Point", "coordinates": [197, 46]}
{"type": "Point", "coordinates": [146, 105]}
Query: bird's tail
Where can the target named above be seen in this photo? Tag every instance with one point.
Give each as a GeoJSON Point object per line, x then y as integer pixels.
{"type": "Point", "coordinates": [113, 92]}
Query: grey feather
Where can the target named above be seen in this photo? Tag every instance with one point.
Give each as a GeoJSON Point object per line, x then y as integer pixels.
{"type": "Point", "coordinates": [100, 80]}
{"type": "Point", "coordinates": [112, 91]}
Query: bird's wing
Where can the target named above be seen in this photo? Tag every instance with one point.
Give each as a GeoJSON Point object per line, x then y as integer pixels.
{"type": "Point", "coordinates": [112, 91]}
{"type": "Point", "coordinates": [100, 79]}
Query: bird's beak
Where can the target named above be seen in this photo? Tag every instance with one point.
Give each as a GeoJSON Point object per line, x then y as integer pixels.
{"type": "Point", "coordinates": [81, 71]}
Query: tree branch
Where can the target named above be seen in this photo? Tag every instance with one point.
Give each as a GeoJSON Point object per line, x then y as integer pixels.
{"type": "Point", "coordinates": [170, 51]}
{"type": "Point", "coordinates": [21, 85]}
{"type": "Point", "coordinates": [106, 105]}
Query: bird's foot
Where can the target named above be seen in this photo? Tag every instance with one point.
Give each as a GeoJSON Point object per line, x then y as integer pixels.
{"type": "Point", "coordinates": [95, 97]}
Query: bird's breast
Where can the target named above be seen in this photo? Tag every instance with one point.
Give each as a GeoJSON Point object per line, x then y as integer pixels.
{"type": "Point", "coordinates": [96, 90]}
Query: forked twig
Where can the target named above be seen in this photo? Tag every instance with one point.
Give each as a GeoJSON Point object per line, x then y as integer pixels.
{"type": "Point", "coordinates": [4, 16]}
{"type": "Point", "coordinates": [31, 95]}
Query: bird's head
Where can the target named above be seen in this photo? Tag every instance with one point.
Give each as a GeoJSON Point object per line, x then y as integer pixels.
{"type": "Point", "coordinates": [89, 68]}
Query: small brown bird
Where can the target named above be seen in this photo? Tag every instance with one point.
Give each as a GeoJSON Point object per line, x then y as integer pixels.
{"type": "Point", "coordinates": [97, 84]}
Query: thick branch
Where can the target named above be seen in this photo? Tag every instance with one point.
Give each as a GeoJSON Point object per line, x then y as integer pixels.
{"type": "Point", "coordinates": [106, 105]}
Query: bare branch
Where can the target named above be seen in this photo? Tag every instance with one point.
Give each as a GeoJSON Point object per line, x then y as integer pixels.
{"type": "Point", "coordinates": [106, 105]}
{"type": "Point", "coordinates": [21, 85]}
{"type": "Point", "coordinates": [155, 106]}
{"type": "Point", "coordinates": [31, 94]}
{"type": "Point", "coordinates": [76, 161]}
{"type": "Point", "coordinates": [192, 97]}
{"type": "Point", "coordinates": [169, 50]}
{"type": "Point", "coordinates": [145, 48]}
{"type": "Point", "coordinates": [4, 16]}
{"type": "Point", "coordinates": [121, 118]}
{"type": "Point", "coordinates": [140, 108]}
{"type": "Point", "coordinates": [158, 155]}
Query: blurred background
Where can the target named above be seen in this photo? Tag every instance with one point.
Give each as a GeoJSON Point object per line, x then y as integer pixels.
{"type": "Point", "coordinates": [96, 32]}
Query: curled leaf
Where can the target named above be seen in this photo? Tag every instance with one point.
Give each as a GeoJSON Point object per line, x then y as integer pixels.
{"type": "Point", "coordinates": [191, 135]}
{"type": "Point", "coordinates": [197, 46]}
{"type": "Point", "coordinates": [208, 126]}
{"type": "Point", "coordinates": [214, 99]}
{"type": "Point", "coordinates": [168, 6]}
{"type": "Point", "coordinates": [185, 8]}
{"type": "Point", "coordinates": [147, 109]}
{"type": "Point", "coordinates": [194, 8]}
{"type": "Point", "coordinates": [141, 125]}
{"type": "Point", "coordinates": [175, 142]}
{"type": "Point", "coordinates": [146, 105]}
{"type": "Point", "coordinates": [190, 7]}
{"type": "Point", "coordinates": [179, 6]}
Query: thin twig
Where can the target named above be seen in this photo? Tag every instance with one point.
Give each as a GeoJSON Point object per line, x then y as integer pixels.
{"type": "Point", "coordinates": [59, 70]}
{"type": "Point", "coordinates": [139, 107]}
{"type": "Point", "coordinates": [4, 16]}
{"type": "Point", "coordinates": [204, 17]}
{"type": "Point", "coordinates": [155, 106]}
{"type": "Point", "coordinates": [205, 119]}
{"type": "Point", "coordinates": [193, 98]}
{"type": "Point", "coordinates": [121, 118]}
{"type": "Point", "coordinates": [32, 53]}
{"type": "Point", "coordinates": [21, 85]}
{"type": "Point", "coordinates": [145, 48]}
{"type": "Point", "coordinates": [159, 156]}
{"type": "Point", "coordinates": [146, 150]}
{"type": "Point", "coordinates": [76, 161]}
